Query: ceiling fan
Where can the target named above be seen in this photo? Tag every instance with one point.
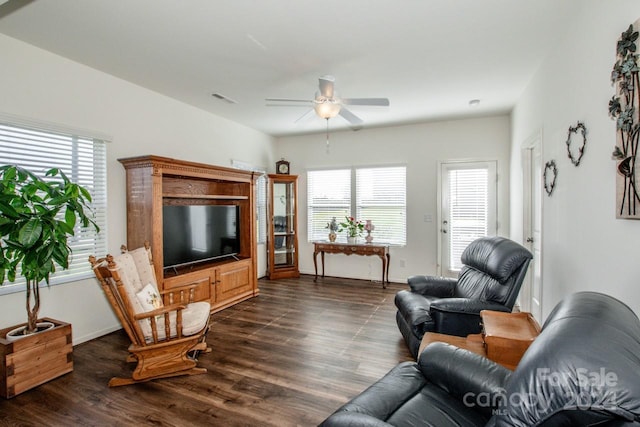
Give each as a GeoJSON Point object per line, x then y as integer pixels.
{"type": "Point", "coordinates": [327, 104]}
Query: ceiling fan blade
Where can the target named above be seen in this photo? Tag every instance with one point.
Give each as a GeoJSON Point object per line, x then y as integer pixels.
{"type": "Point", "coordinates": [288, 100]}
{"type": "Point", "coordinates": [287, 105]}
{"type": "Point", "coordinates": [326, 86]}
{"type": "Point", "coordinates": [356, 122]}
{"type": "Point", "coordinates": [382, 102]}
{"type": "Point", "coordinates": [304, 116]}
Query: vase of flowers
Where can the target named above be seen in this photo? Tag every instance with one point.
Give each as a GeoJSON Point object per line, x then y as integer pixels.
{"type": "Point", "coordinates": [353, 228]}
{"type": "Point", "coordinates": [333, 227]}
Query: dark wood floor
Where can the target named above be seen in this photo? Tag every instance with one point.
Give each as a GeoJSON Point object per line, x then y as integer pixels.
{"type": "Point", "coordinates": [288, 357]}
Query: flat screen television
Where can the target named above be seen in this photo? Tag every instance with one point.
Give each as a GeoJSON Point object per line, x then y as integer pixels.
{"type": "Point", "coordinates": [196, 233]}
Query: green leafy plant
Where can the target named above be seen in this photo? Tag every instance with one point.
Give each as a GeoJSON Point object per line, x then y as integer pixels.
{"type": "Point", "coordinates": [38, 215]}
{"type": "Point", "coordinates": [354, 228]}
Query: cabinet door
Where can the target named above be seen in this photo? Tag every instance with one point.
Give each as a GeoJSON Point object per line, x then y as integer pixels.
{"type": "Point", "coordinates": [200, 278]}
{"type": "Point", "coordinates": [283, 239]}
{"type": "Point", "coordinates": [232, 279]}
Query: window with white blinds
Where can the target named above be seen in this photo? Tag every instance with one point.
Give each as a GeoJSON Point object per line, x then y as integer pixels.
{"type": "Point", "coordinates": [471, 207]}
{"type": "Point", "coordinates": [372, 193]}
{"type": "Point", "coordinates": [328, 196]}
{"type": "Point", "coordinates": [382, 198]}
{"type": "Point", "coordinates": [83, 159]}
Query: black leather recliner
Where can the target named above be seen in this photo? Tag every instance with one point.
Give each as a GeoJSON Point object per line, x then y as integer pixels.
{"type": "Point", "coordinates": [493, 271]}
{"type": "Point", "coordinates": [582, 370]}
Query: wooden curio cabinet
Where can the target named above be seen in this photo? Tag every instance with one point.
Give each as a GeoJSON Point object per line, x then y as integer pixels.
{"type": "Point", "coordinates": [283, 227]}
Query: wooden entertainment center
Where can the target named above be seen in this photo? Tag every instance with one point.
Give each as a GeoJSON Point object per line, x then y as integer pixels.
{"type": "Point", "coordinates": [153, 182]}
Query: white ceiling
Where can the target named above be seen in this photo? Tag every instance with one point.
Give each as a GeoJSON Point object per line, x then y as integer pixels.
{"type": "Point", "coordinates": [429, 57]}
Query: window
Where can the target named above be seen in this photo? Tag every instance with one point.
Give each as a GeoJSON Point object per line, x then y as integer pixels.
{"type": "Point", "coordinates": [375, 193]}
{"type": "Point", "coordinates": [83, 159]}
{"type": "Point", "coordinates": [328, 196]}
{"type": "Point", "coordinates": [381, 197]}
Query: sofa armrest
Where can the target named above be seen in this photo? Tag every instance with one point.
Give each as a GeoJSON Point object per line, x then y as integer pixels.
{"type": "Point", "coordinates": [465, 306]}
{"type": "Point", "coordinates": [381, 399]}
{"type": "Point", "coordinates": [353, 419]}
{"type": "Point", "coordinates": [473, 379]}
{"type": "Point", "coordinates": [441, 287]}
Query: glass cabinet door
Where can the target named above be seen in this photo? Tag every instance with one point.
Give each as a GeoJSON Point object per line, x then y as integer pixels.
{"type": "Point", "coordinates": [283, 245]}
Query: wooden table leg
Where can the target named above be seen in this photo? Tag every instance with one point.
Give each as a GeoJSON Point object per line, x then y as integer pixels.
{"type": "Point", "coordinates": [388, 263]}
{"type": "Point", "coordinates": [315, 264]}
{"type": "Point", "coordinates": [385, 267]}
{"type": "Point", "coordinates": [322, 258]}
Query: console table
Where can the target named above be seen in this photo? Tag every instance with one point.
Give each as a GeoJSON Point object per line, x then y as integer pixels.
{"type": "Point", "coordinates": [504, 339]}
{"type": "Point", "coordinates": [367, 249]}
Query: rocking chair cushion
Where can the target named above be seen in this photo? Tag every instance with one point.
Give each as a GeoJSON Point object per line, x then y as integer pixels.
{"type": "Point", "coordinates": [144, 268]}
{"type": "Point", "coordinates": [130, 280]}
{"type": "Point", "coordinates": [149, 298]}
{"type": "Point", "coordinates": [194, 319]}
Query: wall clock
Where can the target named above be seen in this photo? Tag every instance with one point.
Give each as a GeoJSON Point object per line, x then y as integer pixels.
{"type": "Point", "coordinates": [282, 167]}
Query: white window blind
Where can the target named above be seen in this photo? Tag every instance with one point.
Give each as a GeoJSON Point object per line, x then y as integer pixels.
{"type": "Point", "coordinates": [468, 210]}
{"type": "Point", "coordinates": [375, 193]}
{"type": "Point", "coordinates": [381, 197]}
{"type": "Point", "coordinates": [83, 159]}
{"type": "Point", "coordinates": [328, 196]}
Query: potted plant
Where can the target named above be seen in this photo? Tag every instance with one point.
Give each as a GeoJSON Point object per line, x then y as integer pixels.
{"type": "Point", "coordinates": [353, 228]}
{"type": "Point", "coordinates": [37, 217]}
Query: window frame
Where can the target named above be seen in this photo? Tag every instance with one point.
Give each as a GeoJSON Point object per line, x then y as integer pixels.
{"type": "Point", "coordinates": [25, 130]}
{"type": "Point", "coordinates": [353, 205]}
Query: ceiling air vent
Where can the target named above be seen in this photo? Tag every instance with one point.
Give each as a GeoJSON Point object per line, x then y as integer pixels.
{"type": "Point", "coordinates": [224, 98]}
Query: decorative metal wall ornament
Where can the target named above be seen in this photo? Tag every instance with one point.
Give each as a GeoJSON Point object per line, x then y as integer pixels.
{"type": "Point", "coordinates": [549, 176]}
{"type": "Point", "coordinates": [574, 130]}
{"type": "Point", "coordinates": [624, 108]}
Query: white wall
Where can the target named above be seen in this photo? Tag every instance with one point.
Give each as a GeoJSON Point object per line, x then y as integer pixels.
{"type": "Point", "coordinates": [419, 147]}
{"type": "Point", "coordinates": [39, 85]}
{"type": "Point", "coordinates": [584, 246]}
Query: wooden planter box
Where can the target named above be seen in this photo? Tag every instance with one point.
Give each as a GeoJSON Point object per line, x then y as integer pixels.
{"type": "Point", "coordinates": [35, 359]}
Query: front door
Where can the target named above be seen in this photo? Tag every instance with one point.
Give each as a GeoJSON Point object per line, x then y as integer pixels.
{"type": "Point", "coordinates": [467, 209]}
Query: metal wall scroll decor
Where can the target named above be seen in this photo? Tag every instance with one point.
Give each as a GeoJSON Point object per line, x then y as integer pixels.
{"type": "Point", "coordinates": [624, 109]}
{"type": "Point", "coordinates": [576, 157]}
{"type": "Point", "coordinates": [549, 176]}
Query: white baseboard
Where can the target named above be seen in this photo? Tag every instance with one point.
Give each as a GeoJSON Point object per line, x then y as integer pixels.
{"type": "Point", "coordinates": [95, 334]}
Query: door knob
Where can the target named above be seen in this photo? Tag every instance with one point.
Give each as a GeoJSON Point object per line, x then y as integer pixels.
{"type": "Point", "coordinates": [529, 239]}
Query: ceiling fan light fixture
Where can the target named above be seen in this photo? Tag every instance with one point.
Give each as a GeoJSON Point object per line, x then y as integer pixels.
{"type": "Point", "coordinates": [326, 108]}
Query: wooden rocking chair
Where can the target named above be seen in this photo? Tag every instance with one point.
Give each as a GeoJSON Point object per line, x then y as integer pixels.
{"type": "Point", "coordinates": [165, 340]}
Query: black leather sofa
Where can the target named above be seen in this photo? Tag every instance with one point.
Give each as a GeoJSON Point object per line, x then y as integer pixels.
{"type": "Point", "coordinates": [493, 271]}
{"type": "Point", "coordinates": [583, 370]}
